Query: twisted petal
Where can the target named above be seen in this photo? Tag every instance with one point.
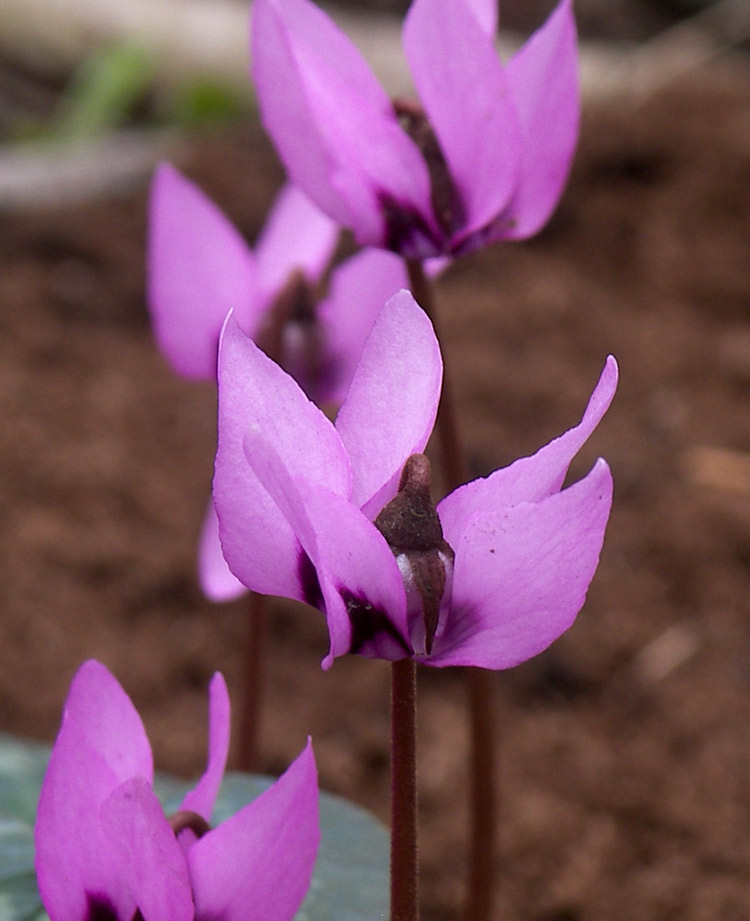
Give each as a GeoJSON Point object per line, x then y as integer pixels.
{"type": "Point", "coordinates": [485, 12]}
{"type": "Point", "coordinates": [202, 798]}
{"type": "Point", "coordinates": [359, 288]}
{"type": "Point", "coordinates": [466, 94]}
{"type": "Point", "coordinates": [149, 859]}
{"type": "Point", "coordinates": [258, 543]}
{"type": "Point", "coordinates": [216, 580]}
{"type": "Point", "coordinates": [357, 577]}
{"type": "Point", "coordinates": [529, 479]}
{"type": "Point", "coordinates": [296, 235]}
{"type": "Point", "coordinates": [392, 402]}
{"type": "Point", "coordinates": [331, 121]}
{"type": "Point", "coordinates": [199, 268]}
{"type": "Point", "coordinates": [257, 865]}
{"type": "Point", "coordinates": [543, 77]}
{"type": "Point", "coordinates": [521, 575]}
{"type": "Point", "coordinates": [101, 744]}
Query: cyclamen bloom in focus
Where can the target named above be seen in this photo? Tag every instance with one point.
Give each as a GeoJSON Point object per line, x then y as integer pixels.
{"type": "Point", "coordinates": [200, 268]}
{"type": "Point", "coordinates": [485, 155]}
{"type": "Point", "coordinates": [340, 516]}
{"type": "Point", "coordinates": [106, 852]}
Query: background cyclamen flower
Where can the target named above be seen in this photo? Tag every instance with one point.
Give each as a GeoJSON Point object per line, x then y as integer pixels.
{"type": "Point", "coordinates": [301, 506]}
{"type": "Point", "coordinates": [200, 268]}
{"type": "Point", "coordinates": [485, 155]}
{"type": "Point", "coordinates": [105, 849]}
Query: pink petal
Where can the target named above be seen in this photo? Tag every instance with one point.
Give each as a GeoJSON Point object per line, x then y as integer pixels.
{"type": "Point", "coordinates": [101, 744]}
{"type": "Point", "coordinates": [392, 402]}
{"type": "Point", "coordinates": [358, 580]}
{"type": "Point", "coordinates": [543, 78]}
{"type": "Point", "coordinates": [485, 12]}
{"type": "Point", "coordinates": [150, 860]}
{"type": "Point", "coordinates": [257, 865]}
{"type": "Point", "coordinates": [297, 235]}
{"type": "Point", "coordinates": [216, 579]}
{"type": "Point", "coordinates": [529, 479]}
{"type": "Point", "coordinates": [199, 268]}
{"type": "Point", "coordinates": [202, 798]}
{"type": "Point", "coordinates": [332, 123]}
{"type": "Point", "coordinates": [258, 544]}
{"type": "Point", "coordinates": [358, 290]}
{"type": "Point", "coordinates": [465, 91]}
{"type": "Point", "coordinates": [521, 575]}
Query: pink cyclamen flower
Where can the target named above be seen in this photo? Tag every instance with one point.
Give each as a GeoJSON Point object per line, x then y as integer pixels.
{"type": "Point", "coordinates": [106, 852]}
{"type": "Point", "coordinates": [482, 157]}
{"type": "Point", "coordinates": [339, 516]}
{"type": "Point", "coordinates": [200, 268]}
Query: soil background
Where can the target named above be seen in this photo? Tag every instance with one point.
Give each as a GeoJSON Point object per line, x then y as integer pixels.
{"type": "Point", "coordinates": [625, 752]}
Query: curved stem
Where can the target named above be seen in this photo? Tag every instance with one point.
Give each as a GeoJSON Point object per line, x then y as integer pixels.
{"type": "Point", "coordinates": [404, 869]}
{"type": "Point", "coordinates": [479, 684]}
{"type": "Point", "coordinates": [252, 678]}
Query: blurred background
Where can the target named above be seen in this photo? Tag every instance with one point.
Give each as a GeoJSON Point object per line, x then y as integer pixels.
{"type": "Point", "coordinates": [625, 751]}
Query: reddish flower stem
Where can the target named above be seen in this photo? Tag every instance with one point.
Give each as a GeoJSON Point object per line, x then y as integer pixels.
{"type": "Point", "coordinates": [252, 676]}
{"type": "Point", "coordinates": [404, 869]}
{"type": "Point", "coordinates": [479, 683]}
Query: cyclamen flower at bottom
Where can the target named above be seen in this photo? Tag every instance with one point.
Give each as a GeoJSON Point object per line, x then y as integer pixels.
{"type": "Point", "coordinates": [105, 851]}
{"type": "Point", "coordinates": [340, 516]}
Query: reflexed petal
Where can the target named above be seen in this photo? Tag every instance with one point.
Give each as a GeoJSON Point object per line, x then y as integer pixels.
{"type": "Point", "coordinates": [199, 268]}
{"type": "Point", "coordinates": [485, 12]}
{"type": "Point", "coordinates": [101, 744]}
{"type": "Point", "coordinates": [296, 235]}
{"type": "Point", "coordinates": [355, 567]}
{"type": "Point", "coordinates": [392, 402]}
{"type": "Point", "coordinates": [257, 865]}
{"type": "Point", "coordinates": [216, 580]}
{"type": "Point", "coordinates": [331, 121]}
{"type": "Point", "coordinates": [150, 860]}
{"type": "Point", "coordinates": [258, 544]}
{"type": "Point", "coordinates": [202, 798]}
{"type": "Point", "coordinates": [359, 288]}
{"type": "Point", "coordinates": [529, 479]}
{"type": "Point", "coordinates": [465, 92]}
{"type": "Point", "coordinates": [543, 79]}
{"type": "Point", "coordinates": [521, 575]}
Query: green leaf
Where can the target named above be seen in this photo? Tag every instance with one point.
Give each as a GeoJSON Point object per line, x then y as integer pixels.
{"type": "Point", "coordinates": [350, 882]}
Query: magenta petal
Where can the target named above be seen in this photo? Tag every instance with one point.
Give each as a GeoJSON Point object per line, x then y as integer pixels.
{"type": "Point", "coordinates": [296, 235]}
{"type": "Point", "coordinates": [485, 12]}
{"type": "Point", "coordinates": [521, 575]}
{"type": "Point", "coordinates": [465, 91]}
{"type": "Point", "coordinates": [101, 744]}
{"type": "Point", "coordinates": [199, 268]}
{"type": "Point", "coordinates": [529, 479]}
{"type": "Point", "coordinates": [202, 798]}
{"type": "Point", "coordinates": [331, 121]}
{"type": "Point", "coordinates": [543, 78]}
{"type": "Point", "coordinates": [258, 544]}
{"type": "Point", "coordinates": [358, 290]}
{"type": "Point", "coordinates": [392, 402]}
{"type": "Point", "coordinates": [149, 858]}
{"type": "Point", "coordinates": [357, 576]}
{"type": "Point", "coordinates": [257, 865]}
{"type": "Point", "coordinates": [216, 580]}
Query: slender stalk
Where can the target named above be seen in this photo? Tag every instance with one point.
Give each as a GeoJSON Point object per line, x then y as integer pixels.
{"type": "Point", "coordinates": [252, 676]}
{"type": "Point", "coordinates": [479, 684]}
{"type": "Point", "coordinates": [404, 870]}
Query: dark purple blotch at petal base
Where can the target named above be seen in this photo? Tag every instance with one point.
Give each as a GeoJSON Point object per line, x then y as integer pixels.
{"type": "Point", "coordinates": [406, 231]}
{"type": "Point", "coordinates": [99, 908]}
{"type": "Point", "coordinates": [308, 578]}
{"type": "Point", "coordinates": [369, 623]}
